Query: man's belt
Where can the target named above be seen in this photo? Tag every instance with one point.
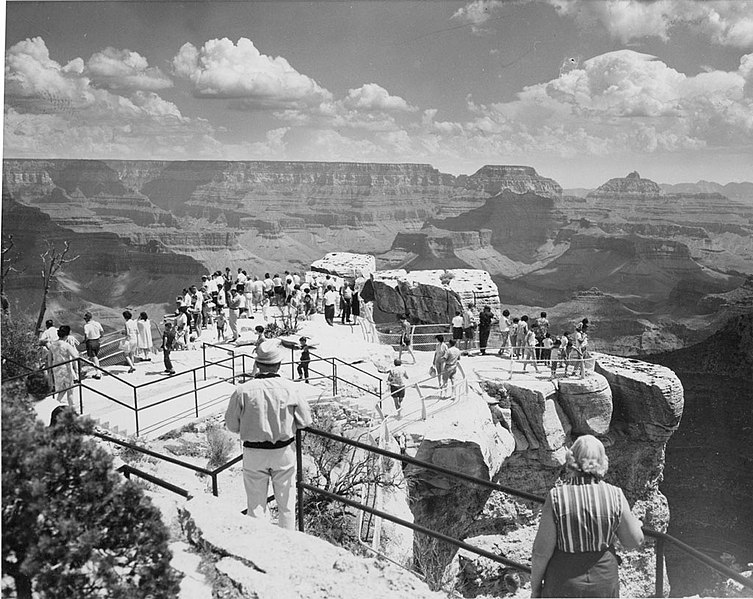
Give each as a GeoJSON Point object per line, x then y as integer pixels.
{"type": "Point", "coordinates": [268, 444]}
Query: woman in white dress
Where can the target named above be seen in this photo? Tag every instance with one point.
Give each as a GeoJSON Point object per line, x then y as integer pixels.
{"type": "Point", "coordinates": [130, 342]}
{"type": "Point", "coordinates": [62, 351]}
{"type": "Point", "coordinates": [144, 337]}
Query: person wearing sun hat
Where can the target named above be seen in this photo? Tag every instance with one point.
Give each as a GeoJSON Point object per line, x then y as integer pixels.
{"type": "Point", "coordinates": [266, 411]}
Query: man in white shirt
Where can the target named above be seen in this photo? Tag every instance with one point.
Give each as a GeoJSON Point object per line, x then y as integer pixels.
{"type": "Point", "coordinates": [93, 331]}
{"type": "Point", "coordinates": [331, 297]}
{"type": "Point", "coordinates": [266, 411]}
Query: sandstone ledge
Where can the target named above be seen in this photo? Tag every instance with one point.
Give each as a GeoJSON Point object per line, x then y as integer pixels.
{"type": "Point", "coordinates": [266, 562]}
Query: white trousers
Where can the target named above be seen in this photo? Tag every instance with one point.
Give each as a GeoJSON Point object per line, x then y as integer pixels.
{"type": "Point", "coordinates": [278, 465]}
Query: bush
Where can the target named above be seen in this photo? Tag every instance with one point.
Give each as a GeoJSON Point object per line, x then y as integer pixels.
{"type": "Point", "coordinates": [73, 527]}
{"type": "Point", "coordinates": [340, 469]}
{"type": "Point", "coordinates": [220, 445]}
{"type": "Point", "coordinates": [20, 346]}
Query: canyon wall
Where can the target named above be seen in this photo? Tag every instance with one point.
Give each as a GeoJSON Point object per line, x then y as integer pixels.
{"type": "Point", "coordinates": [656, 253]}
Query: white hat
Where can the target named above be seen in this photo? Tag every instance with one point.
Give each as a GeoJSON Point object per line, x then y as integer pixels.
{"type": "Point", "coordinates": [268, 352]}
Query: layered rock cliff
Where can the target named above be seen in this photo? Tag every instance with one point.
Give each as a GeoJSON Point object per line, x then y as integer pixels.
{"type": "Point", "coordinates": [634, 407]}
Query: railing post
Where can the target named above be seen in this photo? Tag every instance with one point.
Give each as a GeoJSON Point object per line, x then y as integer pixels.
{"type": "Point", "coordinates": [659, 549]}
{"type": "Point", "coordinates": [292, 363]}
{"type": "Point", "coordinates": [232, 362]}
{"type": "Point", "coordinates": [334, 377]}
{"type": "Point", "coordinates": [299, 478]}
{"type": "Point", "coordinates": [215, 490]}
{"type": "Point", "coordinates": [80, 390]}
{"type": "Point", "coordinates": [195, 394]}
{"type": "Point", "coordinates": [204, 359]}
{"type": "Point", "coordinates": [136, 408]}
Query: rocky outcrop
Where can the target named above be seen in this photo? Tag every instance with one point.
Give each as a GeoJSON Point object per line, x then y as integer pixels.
{"type": "Point", "coordinates": [633, 407]}
{"type": "Point", "coordinates": [429, 296]}
{"type": "Point", "coordinates": [346, 265]}
{"type": "Point", "coordinates": [258, 559]}
{"type": "Point", "coordinates": [648, 398]}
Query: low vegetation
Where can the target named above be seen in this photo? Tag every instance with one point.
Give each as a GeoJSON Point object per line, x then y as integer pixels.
{"type": "Point", "coordinates": [72, 526]}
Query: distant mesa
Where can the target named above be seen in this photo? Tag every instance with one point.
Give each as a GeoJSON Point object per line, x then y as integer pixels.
{"type": "Point", "coordinates": [632, 185]}
{"type": "Point", "coordinates": [495, 178]}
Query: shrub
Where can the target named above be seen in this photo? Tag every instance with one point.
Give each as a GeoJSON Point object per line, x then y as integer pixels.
{"type": "Point", "coordinates": [73, 527]}
{"type": "Point", "coordinates": [219, 446]}
{"type": "Point", "coordinates": [19, 346]}
{"type": "Point", "coordinates": [342, 470]}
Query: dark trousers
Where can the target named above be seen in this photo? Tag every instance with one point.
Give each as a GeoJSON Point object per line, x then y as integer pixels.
{"type": "Point", "coordinates": [345, 306]}
{"type": "Point", "coordinates": [303, 371]}
{"type": "Point", "coordinates": [168, 363]}
{"type": "Point", "coordinates": [329, 313]}
{"type": "Point", "coordinates": [483, 339]}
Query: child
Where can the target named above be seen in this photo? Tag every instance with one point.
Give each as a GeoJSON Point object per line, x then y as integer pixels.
{"type": "Point", "coordinates": [556, 353]}
{"type": "Point", "coordinates": [259, 334]}
{"type": "Point", "coordinates": [168, 340]}
{"type": "Point", "coordinates": [396, 379]}
{"type": "Point", "coordinates": [546, 348]}
{"type": "Point", "coordinates": [516, 350]}
{"type": "Point", "coordinates": [308, 304]}
{"type": "Point", "coordinates": [529, 350]}
{"type": "Point", "coordinates": [303, 364]}
{"type": "Point", "coordinates": [220, 320]}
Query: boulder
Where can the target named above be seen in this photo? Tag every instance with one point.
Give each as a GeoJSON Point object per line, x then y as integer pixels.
{"type": "Point", "coordinates": [587, 403]}
{"type": "Point", "coordinates": [464, 439]}
{"type": "Point", "coordinates": [346, 265]}
{"type": "Point", "coordinates": [431, 296]}
{"type": "Point", "coordinates": [648, 399]}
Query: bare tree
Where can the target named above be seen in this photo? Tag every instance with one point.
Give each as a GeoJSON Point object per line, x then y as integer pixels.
{"type": "Point", "coordinates": [52, 261]}
{"type": "Point", "coordinates": [7, 266]}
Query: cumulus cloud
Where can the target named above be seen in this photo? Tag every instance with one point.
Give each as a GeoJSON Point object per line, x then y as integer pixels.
{"type": "Point", "coordinates": [223, 69]}
{"type": "Point", "coordinates": [724, 22]}
{"type": "Point", "coordinates": [625, 101]}
{"type": "Point", "coordinates": [124, 70]}
{"type": "Point", "coordinates": [372, 97]}
{"type": "Point", "coordinates": [57, 110]}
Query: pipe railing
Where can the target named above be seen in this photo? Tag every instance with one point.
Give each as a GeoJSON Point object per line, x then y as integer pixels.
{"type": "Point", "coordinates": [166, 458]}
{"type": "Point", "coordinates": [661, 538]}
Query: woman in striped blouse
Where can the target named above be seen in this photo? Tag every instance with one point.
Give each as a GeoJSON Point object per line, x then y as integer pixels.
{"type": "Point", "coordinates": [573, 554]}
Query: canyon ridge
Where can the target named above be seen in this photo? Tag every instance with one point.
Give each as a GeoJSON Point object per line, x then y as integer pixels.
{"type": "Point", "coordinates": [654, 267]}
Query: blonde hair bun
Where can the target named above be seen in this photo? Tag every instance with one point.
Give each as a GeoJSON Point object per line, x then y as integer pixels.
{"type": "Point", "coordinates": [587, 455]}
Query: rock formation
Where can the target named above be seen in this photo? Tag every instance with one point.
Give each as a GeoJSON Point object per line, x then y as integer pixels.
{"type": "Point", "coordinates": [632, 185]}
{"type": "Point", "coordinates": [284, 564]}
{"type": "Point", "coordinates": [428, 296]}
{"type": "Point", "coordinates": [494, 179]}
{"type": "Point", "coordinates": [634, 407]}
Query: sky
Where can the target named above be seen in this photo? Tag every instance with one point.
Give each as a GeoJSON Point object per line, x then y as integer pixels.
{"type": "Point", "coordinates": [582, 90]}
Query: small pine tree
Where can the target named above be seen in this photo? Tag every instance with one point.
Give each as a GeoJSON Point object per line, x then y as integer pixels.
{"type": "Point", "coordinates": [73, 527]}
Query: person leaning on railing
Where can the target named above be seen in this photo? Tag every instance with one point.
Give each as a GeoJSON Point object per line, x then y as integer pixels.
{"type": "Point", "coordinates": [573, 553]}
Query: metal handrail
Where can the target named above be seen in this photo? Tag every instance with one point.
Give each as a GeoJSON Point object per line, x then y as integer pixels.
{"type": "Point", "coordinates": [127, 470]}
{"type": "Point", "coordinates": [211, 473]}
{"type": "Point", "coordinates": [662, 538]}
